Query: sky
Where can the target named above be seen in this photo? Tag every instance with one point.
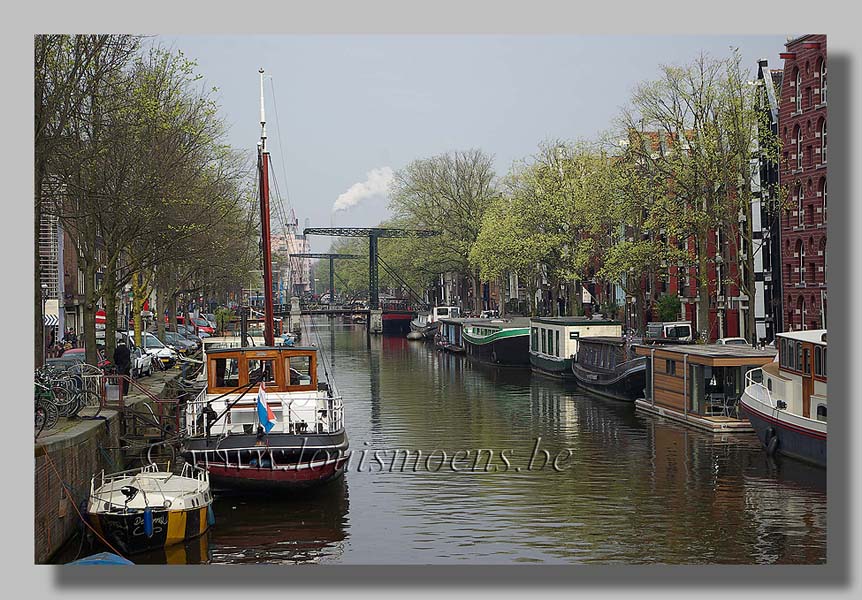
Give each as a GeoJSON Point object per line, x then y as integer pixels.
{"type": "Point", "coordinates": [344, 112]}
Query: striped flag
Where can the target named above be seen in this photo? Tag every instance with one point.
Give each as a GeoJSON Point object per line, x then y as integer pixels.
{"type": "Point", "coordinates": [264, 412]}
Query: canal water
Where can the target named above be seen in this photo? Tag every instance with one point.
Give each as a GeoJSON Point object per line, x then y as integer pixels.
{"type": "Point", "coordinates": [626, 487]}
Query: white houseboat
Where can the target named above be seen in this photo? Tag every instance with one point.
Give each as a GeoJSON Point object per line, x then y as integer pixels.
{"type": "Point", "coordinates": [554, 341]}
{"type": "Point", "coordinates": [786, 400]}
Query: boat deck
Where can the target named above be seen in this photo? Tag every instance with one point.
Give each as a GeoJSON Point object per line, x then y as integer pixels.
{"type": "Point", "coordinates": [711, 423]}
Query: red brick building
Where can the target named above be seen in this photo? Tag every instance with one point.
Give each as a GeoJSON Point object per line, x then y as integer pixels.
{"type": "Point", "coordinates": [802, 123]}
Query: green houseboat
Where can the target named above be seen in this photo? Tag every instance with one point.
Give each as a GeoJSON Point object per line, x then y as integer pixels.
{"type": "Point", "coordinates": [554, 341]}
{"type": "Point", "coordinates": [504, 342]}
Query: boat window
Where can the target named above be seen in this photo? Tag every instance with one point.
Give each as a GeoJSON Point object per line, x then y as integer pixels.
{"type": "Point", "coordinates": [299, 368]}
{"type": "Point", "coordinates": [818, 368]}
{"type": "Point", "coordinates": [544, 343]}
{"type": "Point", "coordinates": [821, 412]}
{"type": "Point", "coordinates": [534, 339]}
{"type": "Point", "coordinates": [806, 361]}
{"type": "Point", "coordinates": [442, 312]}
{"type": "Point", "coordinates": [824, 362]}
{"type": "Point", "coordinates": [573, 335]}
{"type": "Point", "coordinates": [261, 371]}
{"type": "Point", "coordinates": [558, 342]}
{"type": "Point", "coordinates": [798, 357]}
{"type": "Point", "coordinates": [769, 384]}
{"type": "Point", "coordinates": [226, 372]}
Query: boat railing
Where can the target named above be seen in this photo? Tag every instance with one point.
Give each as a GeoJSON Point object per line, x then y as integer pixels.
{"type": "Point", "coordinates": [327, 419]}
{"type": "Point", "coordinates": [754, 387]}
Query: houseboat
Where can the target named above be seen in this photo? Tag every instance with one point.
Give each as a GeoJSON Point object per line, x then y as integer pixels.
{"type": "Point", "coordinates": [449, 337]}
{"type": "Point", "coordinates": [785, 401]}
{"type": "Point", "coordinates": [265, 421]}
{"type": "Point", "coordinates": [609, 367]}
{"type": "Point", "coordinates": [554, 341]}
{"type": "Point", "coordinates": [427, 323]}
{"type": "Point", "coordinates": [699, 385]}
{"type": "Point", "coordinates": [503, 342]}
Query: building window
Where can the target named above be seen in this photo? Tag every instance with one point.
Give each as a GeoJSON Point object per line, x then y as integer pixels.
{"type": "Point", "coordinates": [801, 307]}
{"type": "Point", "coordinates": [800, 196]}
{"type": "Point", "coordinates": [823, 190]}
{"type": "Point", "coordinates": [798, 91]}
{"type": "Point", "coordinates": [798, 132]}
{"type": "Point", "coordinates": [823, 143]}
{"type": "Point", "coordinates": [822, 81]}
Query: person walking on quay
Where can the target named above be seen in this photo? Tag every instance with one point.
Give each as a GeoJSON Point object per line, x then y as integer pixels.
{"type": "Point", "coordinates": [123, 361]}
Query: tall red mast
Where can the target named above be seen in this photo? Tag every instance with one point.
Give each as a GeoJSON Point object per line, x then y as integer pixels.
{"type": "Point", "coordinates": [263, 170]}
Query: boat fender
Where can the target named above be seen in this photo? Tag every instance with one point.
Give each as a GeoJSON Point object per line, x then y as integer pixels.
{"type": "Point", "coordinates": [148, 521]}
{"type": "Point", "coordinates": [494, 355]}
{"type": "Point", "coordinates": [772, 445]}
{"type": "Point", "coordinates": [210, 515]}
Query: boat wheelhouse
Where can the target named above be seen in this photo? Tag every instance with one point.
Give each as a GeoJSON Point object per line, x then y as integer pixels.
{"type": "Point", "coordinates": [785, 401]}
{"type": "Point", "coordinates": [554, 341]}
{"type": "Point", "coordinates": [609, 367]}
{"type": "Point", "coordinates": [294, 439]}
{"type": "Point", "coordinates": [503, 342]}
{"type": "Point", "coordinates": [699, 384]}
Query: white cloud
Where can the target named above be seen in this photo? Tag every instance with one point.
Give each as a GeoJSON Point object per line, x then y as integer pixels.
{"type": "Point", "coordinates": [376, 184]}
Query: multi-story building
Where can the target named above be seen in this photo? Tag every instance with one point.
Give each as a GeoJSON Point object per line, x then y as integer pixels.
{"type": "Point", "coordinates": [291, 276]}
{"type": "Point", "coordinates": [802, 122]}
{"type": "Point", "coordinates": [765, 209]}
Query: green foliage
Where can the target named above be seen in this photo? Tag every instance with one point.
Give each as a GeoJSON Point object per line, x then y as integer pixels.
{"type": "Point", "coordinates": [669, 306]}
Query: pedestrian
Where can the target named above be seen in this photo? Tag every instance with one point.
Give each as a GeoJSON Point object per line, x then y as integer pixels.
{"type": "Point", "coordinates": [123, 362]}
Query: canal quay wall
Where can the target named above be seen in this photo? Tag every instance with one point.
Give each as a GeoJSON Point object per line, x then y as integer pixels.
{"type": "Point", "coordinates": [69, 455]}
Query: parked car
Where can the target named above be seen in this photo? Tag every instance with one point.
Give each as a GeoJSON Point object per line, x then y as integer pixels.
{"type": "Point", "coordinates": [669, 332]}
{"type": "Point", "coordinates": [732, 341]}
{"type": "Point", "coordinates": [202, 324]}
{"type": "Point", "coordinates": [142, 362]}
{"type": "Point", "coordinates": [178, 342]}
{"type": "Point", "coordinates": [82, 353]}
{"type": "Point", "coordinates": [157, 350]}
{"type": "Point", "coordinates": [189, 330]}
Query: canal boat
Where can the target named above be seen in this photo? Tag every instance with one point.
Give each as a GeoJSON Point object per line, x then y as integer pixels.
{"type": "Point", "coordinates": [148, 509]}
{"type": "Point", "coordinates": [785, 400]}
{"type": "Point", "coordinates": [264, 421]}
{"type": "Point", "coordinates": [699, 384]}
{"type": "Point", "coordinates": [554, 342]}
{"type": "Point", "coordinates": [501, 342]}
{"type": "Point", "coordinates": [450, 336]}
{"type": "Point", "coordinates": [608, 367]}
{"type": "Point", "coordinates": [427, 323]}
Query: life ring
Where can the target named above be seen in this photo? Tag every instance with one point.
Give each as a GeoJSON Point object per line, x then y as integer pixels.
{"type": "Point", "coordinates": [772, 445]}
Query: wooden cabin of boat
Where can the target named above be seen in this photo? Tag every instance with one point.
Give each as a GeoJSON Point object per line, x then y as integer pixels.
{"type": "Point", "coordinates": [289, 377]}
{"type": "Point", "coordinates": [554, 341]}
{"type": "Point", "coordinates": [699, 384]}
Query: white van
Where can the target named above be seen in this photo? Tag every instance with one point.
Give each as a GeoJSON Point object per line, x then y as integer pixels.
{"type": "Point", "coordinates": [669, 332]}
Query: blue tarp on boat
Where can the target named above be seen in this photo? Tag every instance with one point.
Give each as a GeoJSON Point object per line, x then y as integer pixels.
{"type": "Point", "coordinates": [102, 558]}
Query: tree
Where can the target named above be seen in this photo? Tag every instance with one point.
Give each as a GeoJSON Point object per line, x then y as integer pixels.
{"type": "Point", "coordinates": [449, 192]}
{"type": "Point", "coordinates": [676, 130]}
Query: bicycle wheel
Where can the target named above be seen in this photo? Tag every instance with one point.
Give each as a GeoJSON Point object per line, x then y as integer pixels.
{"type": "Point", "coordinates": [64, 399]}
{"type": "Point", "coordinates": [41, 418]}
{"type": "Point", "coordinates": [89, 404]}
{"type": "Point", "coordinates": [51, 414]}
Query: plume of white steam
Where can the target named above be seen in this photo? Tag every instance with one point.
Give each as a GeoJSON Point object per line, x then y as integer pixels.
{"type": "Point", "coordinates": [376, 184]}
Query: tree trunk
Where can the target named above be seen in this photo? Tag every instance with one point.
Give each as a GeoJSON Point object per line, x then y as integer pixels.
{"type": "Point", "coordinates": [476, 284]}
{"type": "Point", "coordinates": [91, 297]}
{"type": "Point", "coordinates": [555, 295]}
{"type": "Point", "coordinates": [109, 295]}
{"type": "Point", "coordinates": [703, 329]}
{"type": "Point", "coordinates": [157, 314]}
{"type": "Point", "coordinates": [138, 290]}
{"type": "Point", "coordinates": [38, 301]}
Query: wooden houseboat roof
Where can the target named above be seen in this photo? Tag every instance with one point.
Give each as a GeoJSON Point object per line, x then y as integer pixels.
{"type": "Point", "coordinates": [708, 354]}
{"type": "Point", "coordinates": [262, 348]}
{"type": "Point", "coordinates": [570, 321]}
